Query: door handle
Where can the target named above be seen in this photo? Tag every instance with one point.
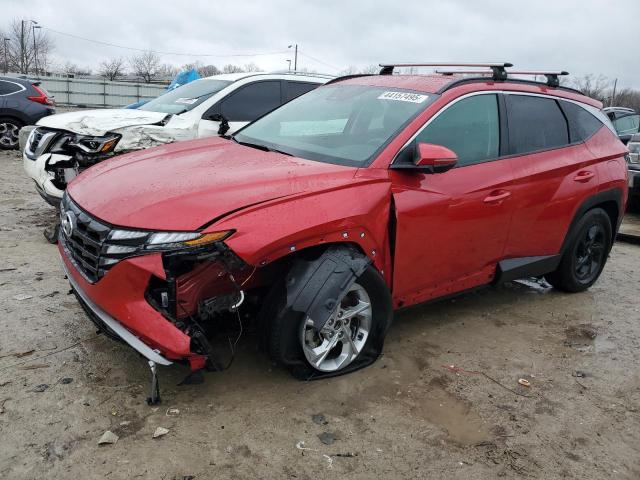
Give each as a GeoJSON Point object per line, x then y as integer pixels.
{"type": "Point", "coordinates": [497, 196]}
{"type": "Point", "coordinates": [584, 176]}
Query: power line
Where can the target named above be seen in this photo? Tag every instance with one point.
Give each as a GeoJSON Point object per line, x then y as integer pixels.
{"type": "Point", "coordinates": [182, 54]}
{"type": "Point", "coordinates": [319, 61]}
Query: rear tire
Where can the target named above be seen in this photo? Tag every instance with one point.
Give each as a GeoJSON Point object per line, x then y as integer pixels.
{"type": "Point", "coordinates": [586, 253]}
{"type": "Point", "coordinates": [9, 133]}
{"type": "Point", "coordinates": [288, 330]}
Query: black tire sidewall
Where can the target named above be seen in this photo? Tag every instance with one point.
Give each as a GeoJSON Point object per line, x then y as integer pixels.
{"type": "Point", "coordinates": [565, 277]}
{"type": "Point", "coordinates": [284, 336]}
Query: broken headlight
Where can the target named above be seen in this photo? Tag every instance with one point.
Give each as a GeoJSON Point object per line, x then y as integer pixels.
{"type": "Point", "coordinates": [89, 144]}
{"type": "Point", "coordinates": [129, 241]}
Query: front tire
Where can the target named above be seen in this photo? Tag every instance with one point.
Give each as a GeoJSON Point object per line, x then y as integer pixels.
{"type": "Point", "coordinates": [585, 255]}
{"type": "Point", "coordinates": [351, 339]}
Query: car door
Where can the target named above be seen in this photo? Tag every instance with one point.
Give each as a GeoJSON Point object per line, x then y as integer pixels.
{"type": "Point", "coordinates": [295, 89]}
{"type": "Point", "coordinates": [451, 228]}
{"type": "Point", "coordinates": [627, 126]}
{"type": "Point", "coordinates": [553, 172]}
{"type": "Point", "coordinates": [247, 103]}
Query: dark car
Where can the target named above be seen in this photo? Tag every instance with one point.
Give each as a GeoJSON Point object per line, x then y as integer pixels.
{"type": "Point", "coordinates": [22, 102]}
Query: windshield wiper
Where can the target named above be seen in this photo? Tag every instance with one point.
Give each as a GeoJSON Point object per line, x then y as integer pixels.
{"type": "Point", "coordinates": [259, 146]}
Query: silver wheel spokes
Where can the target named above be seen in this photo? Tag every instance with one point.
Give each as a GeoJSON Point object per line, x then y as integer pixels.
{"type": "Point", "coordinates": [344, 335]}
{"type": "Point", "coordinates": [9, 134]}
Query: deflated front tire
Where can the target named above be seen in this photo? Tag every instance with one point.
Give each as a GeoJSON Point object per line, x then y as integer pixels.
{"type": "Point", "coordinates": [351, 339]}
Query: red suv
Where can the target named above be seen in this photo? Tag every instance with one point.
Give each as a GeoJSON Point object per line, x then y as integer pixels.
{"type": "Point", "coordinates": [371, 193]}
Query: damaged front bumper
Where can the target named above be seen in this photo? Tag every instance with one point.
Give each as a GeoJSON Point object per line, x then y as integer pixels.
{"type": "Point", "coordinates": [112, 327]}
{"type": "Point", "coordinates": [40, 172]}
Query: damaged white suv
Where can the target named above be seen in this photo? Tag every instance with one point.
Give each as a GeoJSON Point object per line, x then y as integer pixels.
{"type": "Point", "coordinates": [61, 146]}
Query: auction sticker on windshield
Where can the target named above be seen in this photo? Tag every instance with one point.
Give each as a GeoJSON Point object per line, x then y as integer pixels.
{"type": "Point", "coordinates": [403, 97]}
{"type": "Point", "coordinates": [186, 101]}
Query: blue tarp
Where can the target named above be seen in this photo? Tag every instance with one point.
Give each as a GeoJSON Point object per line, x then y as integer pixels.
{"type": "Point", "coordinates": [181, 78]}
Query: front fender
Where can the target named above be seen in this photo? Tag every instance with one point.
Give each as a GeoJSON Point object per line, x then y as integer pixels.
{"type": "Point", "coordinates": [356, 214]}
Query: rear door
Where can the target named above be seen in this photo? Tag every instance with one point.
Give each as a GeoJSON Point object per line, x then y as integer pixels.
{"type": "Point", "coordinates": [294, 89]}
{"type": "Point", "coordinates": [451, 228]}
{"type": "Point", "coordinates": [248, 103]}
{"type": "Point", "coordinates": [554, 171]}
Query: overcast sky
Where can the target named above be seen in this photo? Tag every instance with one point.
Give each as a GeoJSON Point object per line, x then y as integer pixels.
{"type": "Point", "coordinates": [581, 36]}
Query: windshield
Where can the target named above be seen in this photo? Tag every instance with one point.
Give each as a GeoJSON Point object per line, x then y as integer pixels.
{"type": "Point", "coordinates": [186, 97]}
{"type": "Point", "coordinates": [342, 124]}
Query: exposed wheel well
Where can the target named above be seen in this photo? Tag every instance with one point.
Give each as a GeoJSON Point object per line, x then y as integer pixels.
{"type": "Point", "coordinates": [13, 117]}
{"type": "Point", "coordinates": [611, 208]}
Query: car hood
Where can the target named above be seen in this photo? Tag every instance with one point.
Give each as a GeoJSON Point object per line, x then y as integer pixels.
{"type": "Point", "coordinates": [185, 185]}
{"type": "Point", "coordinates": [100, 122]}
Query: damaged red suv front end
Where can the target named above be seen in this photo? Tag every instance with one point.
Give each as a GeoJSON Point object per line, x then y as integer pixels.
{"type": "Point", "coordinates": [137, 300]}
{"type": "Point", "coordinates": [151, 276]}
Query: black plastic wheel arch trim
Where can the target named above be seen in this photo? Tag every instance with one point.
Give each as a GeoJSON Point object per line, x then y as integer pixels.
{"type": "Point", "coordinates": [315, 287]}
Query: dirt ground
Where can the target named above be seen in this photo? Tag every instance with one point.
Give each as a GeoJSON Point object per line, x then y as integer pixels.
{"type": "Point", "coordinates": [410, 415]}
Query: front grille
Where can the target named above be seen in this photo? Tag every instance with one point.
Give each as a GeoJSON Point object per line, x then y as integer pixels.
{"type": "Point", "coordinates": [39, 142]}
{"type": "Point", "coordinates": [85, 242]}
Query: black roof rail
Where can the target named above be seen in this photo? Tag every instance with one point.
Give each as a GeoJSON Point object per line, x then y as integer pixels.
{"type": "Point", "coordinates": [347, 77]}
{"type": "Point", "coordinates": [552, 75]}
{"type": "Point", "coordinates": [497, 69]}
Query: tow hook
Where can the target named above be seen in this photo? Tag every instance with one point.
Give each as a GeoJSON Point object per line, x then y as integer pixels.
{"type": "Point", "coordinates": [154, 399]}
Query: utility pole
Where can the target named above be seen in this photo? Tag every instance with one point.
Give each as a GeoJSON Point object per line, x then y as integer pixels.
{"type": "Point", "coordinates": [295, 57]}
{"type": "Point", "coordinates": [35, 47]}
{"type": "Point", "coordinates": [613, 95]}
{"type": "Point", "coordinates": [22, 48]}
{"type": "Point", "coordinates": [6, 62]}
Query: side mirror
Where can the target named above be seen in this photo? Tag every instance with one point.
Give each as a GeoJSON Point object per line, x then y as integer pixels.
{"type": "Point", "coordinates": [429, 158]}
{"type": "Point", "coordinates": [224, 124]}
{"type": "Point", "coordinates": [436, 157]}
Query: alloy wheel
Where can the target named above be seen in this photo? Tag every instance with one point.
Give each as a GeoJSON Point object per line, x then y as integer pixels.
{"type": "Point", "coordinates": [343, 336]}
{"type": "Point", "coordinates": [589, 253]}
{"type": "Point", "coordinates": [9, 135]}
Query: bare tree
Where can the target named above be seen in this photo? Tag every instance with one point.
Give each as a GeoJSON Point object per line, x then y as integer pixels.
{"type": "Point", "coordinates": [208, 70]}
{"type": "Point", "coordinates": [593, 86]}
{"type": "Point", "coordinates": [146, 65]}
{"type": "Point", "coordinates": [369, 69]}
{"type": "Point", "coordinates": [23, 49]}
{"type": "Point", "coordinates": [112, 68]}
{"type": "Point", "coordinates": [167, 70]}
{"type": "Point", "coordinates": [251, 67]}
{"type": "Point", "coordinates": [350, 70]}
{"type": "Point", "coordinates": [629, 98]}
{"type": "Point", "coordinates": [229, 68]}
{"type": "Point", "coordinates": [202, 69]}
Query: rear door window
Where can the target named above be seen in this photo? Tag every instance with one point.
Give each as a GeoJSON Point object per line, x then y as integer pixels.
{"type": "Point", "coordinates": [295, 89]}
{"type": "Point", "coordinates": [582, 124]}
{"type": "Point", "coordinates": [469, 127]}
{"type": "Point", "coordinates": [7, 88]}
{"type": "Point", "coordinates": [252, 101]}
{"type": "Point", "coordinates": [535, 124]}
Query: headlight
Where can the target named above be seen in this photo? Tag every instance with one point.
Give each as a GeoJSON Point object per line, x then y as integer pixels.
{"type": "Point", "coordinates": [95, 144]}
{"type": "Point", "coordinates": [128, 241]}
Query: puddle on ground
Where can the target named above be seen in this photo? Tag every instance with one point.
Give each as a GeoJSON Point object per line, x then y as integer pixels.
{"type": "Point", "coordinates": [585, 338]}
{"type": "Point", "coordinates": [455, 416]}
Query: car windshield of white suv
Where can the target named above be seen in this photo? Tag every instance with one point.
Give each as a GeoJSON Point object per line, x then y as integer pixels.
{"type": "Point", "coordinates": [186, 97]}
{"type": "Point", "coordinates": [342, 124]}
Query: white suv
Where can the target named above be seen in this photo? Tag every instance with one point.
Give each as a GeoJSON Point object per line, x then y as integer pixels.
{"type": "Point", "coordinates": [61, 146]}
